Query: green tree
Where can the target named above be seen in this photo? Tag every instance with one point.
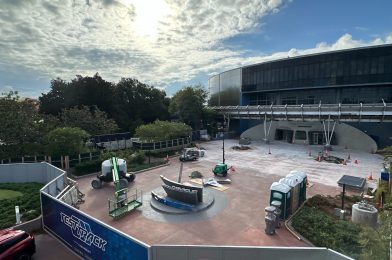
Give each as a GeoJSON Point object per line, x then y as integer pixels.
{"type": "Point", "coordinates": [162, 130]}
{"type": "Point", "coordinates": [129, 102]}
{"type": "Point", "coordinates": [187, 105]}
{"type": "Point", "coordinates": [65, 141]}
{"type": "Point", "coordinates": [19, 123]}
{"type": "Point", "coordinates": [81, 91]}
{"type": "Point", "coordinates": [138, 103]}
{"type": "Point", "coordinates": [94, 121]}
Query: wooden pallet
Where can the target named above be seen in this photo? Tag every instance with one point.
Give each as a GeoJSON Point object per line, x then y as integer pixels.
{"type": "Point", "coordinates": [200, 182]}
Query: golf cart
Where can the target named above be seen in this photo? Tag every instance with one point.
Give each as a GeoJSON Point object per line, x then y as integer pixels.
{"type": "Point", "coordinates": [189, 154]}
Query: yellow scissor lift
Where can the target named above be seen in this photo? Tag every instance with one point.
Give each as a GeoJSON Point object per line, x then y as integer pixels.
{"type": "Point", "coordinates": [124, 200]}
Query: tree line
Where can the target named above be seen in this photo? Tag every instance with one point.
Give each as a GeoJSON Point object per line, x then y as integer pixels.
{"type": "Point", "coordinates": [87, 106]}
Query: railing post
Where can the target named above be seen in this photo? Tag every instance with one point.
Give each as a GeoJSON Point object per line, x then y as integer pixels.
{"type": "Point", "coordinates": [50, 159]}
{"type": "Point", "coordinates": [91, 156]}
{"type": "Point", "coordinates": [79, 158]}
{"type": "Point", "coordinates": [66, 162]}
{"type": "Point", "coordinates": [62, 162]}
{"type": "Point", "coordinates": [22, 159]}
{"type": "Point", "coordinates": [35, 158]}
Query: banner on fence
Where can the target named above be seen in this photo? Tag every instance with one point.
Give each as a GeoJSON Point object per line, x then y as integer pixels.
{"type": "Point", "coordinates": [86, 236]}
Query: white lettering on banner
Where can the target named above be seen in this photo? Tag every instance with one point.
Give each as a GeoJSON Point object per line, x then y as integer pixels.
{"type": "Point", "coordinates": [82, 231]}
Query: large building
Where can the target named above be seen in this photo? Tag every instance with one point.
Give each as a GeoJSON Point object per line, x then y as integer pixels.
{"type": "Point", "coordinates": [353, 76]}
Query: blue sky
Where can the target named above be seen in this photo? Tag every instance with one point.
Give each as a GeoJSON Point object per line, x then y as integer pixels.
{"type": "Point", "coordinates": [172, 43]}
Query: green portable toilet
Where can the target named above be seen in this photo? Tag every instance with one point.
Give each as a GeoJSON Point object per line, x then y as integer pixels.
{"type": "Point", "coordinates": [281, 192]}
{"type": "Point", "coordinates": [302, 189]}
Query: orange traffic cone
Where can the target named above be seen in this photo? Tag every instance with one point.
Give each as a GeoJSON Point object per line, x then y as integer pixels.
{"type": "Point", "coordinates": [370, 178]}
{"type": "Point", "coordinates": [232, 168]}
{"type": "Point", "coordinates": [167, 158]}
{"type": "Point", "coordinates": [356, 161]}
{"type": "Point", "coordinates": [344, 162]}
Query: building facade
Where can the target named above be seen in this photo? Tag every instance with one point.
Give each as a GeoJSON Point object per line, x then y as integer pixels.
{"type": "Point", "coordinates": [353, 76]}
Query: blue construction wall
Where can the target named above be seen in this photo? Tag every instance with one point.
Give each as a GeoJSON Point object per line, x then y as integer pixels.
{"type": "Point", "coordinates": [87, 237]}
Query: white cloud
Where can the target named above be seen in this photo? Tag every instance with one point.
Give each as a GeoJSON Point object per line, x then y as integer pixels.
{"type": "Point", "coordinates": [155, 41]}
{"type": "Point", "coordinates": [159, 42]}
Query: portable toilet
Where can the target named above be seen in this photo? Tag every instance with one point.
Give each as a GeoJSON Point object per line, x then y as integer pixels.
{"type": "Point", "coordinates": [282, 193]}
{"type": "Point", "coordinates": [385, 174]}
{"type": "Point", "coordinates": [302, 187]}
{"type": "Point", "coordinates": [293, 182]}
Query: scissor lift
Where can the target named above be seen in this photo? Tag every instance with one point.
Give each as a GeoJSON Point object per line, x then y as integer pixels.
{"type": "Point", "coordinates": [124, 200]}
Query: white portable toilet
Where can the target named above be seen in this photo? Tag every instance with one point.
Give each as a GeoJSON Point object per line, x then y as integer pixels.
{"type": "Point", "coordinates": [302, 188]}
{"type": "Point", "coordinates": [293, 182]}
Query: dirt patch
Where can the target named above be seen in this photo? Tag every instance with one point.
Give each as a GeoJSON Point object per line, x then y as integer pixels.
{"type": "Point", "coordinates": [328, 204]}
{"type": "Point", "coordinates": [240, 148]}
{"type": "Point", "coordinates": [330, 159]}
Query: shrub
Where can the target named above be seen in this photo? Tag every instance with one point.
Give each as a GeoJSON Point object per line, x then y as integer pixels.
{"type": "Point", "coordinates": [324, 231]}
{"type": "Point", "coordinates": [137, 157]}
{"type": "Point", "coordinates": [29, 203]}
{"type": "Point", "coordinates": [87, 167]}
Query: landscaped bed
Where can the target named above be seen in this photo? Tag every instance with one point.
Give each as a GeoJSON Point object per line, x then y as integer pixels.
{"type": "Point", "coordinates": [24, 195]}
{"type": "Point", "coordinates": [317, 222]}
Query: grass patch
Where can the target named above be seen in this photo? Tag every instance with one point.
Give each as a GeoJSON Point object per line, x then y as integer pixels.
{"type": "Point", "coordinates": [9, 194]}
{"type": "Point", "coordinates": [29, 203]}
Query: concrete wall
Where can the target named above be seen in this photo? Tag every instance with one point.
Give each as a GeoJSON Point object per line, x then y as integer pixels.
{"type": "Point", "coordinates": [31, 225]}
{"type": "Point", "coordinates": [243, 253]}
{"type": "Point", "coordinates": [346, 135]}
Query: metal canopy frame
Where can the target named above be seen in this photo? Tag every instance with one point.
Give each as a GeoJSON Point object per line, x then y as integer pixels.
{"type": "Point", "coordinates": [376, 112]}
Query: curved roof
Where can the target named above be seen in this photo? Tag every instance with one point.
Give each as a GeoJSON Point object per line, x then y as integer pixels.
{"type": "Point", "coordinates": [276, 186]}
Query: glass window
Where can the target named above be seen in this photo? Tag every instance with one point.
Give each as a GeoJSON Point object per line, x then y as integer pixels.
{"type": "Point", "coordinates": [380, 65]}
{"type": "Point", "coordinates": [373, 68]}
{"type": "Point", "coordinates": [339, 70]}
{"type": "Point", "coordinates": [300, 135]}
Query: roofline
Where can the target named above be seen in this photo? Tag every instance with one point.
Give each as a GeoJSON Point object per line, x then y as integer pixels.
{"type": "Point", "coordinates": [308, 55]}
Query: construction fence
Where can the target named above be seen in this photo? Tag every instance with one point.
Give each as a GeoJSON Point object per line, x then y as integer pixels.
{"type": "Point", "coordinates": [69, 161]}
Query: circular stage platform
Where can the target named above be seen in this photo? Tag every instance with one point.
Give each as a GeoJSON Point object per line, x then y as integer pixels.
{"type": "Point", "coordinates": [217, 203]}
{"type": "Point", "coordinates": [208, 200]}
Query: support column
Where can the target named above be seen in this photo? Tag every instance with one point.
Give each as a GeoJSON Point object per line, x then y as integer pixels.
{"type": "Point", "coordinates": [266, 132]}
{"type": "Point", "coordinates": [328, 134]}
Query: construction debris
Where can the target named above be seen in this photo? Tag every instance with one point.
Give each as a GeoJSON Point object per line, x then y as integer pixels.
{"type": "Point", "coordinates": [196, 174]}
